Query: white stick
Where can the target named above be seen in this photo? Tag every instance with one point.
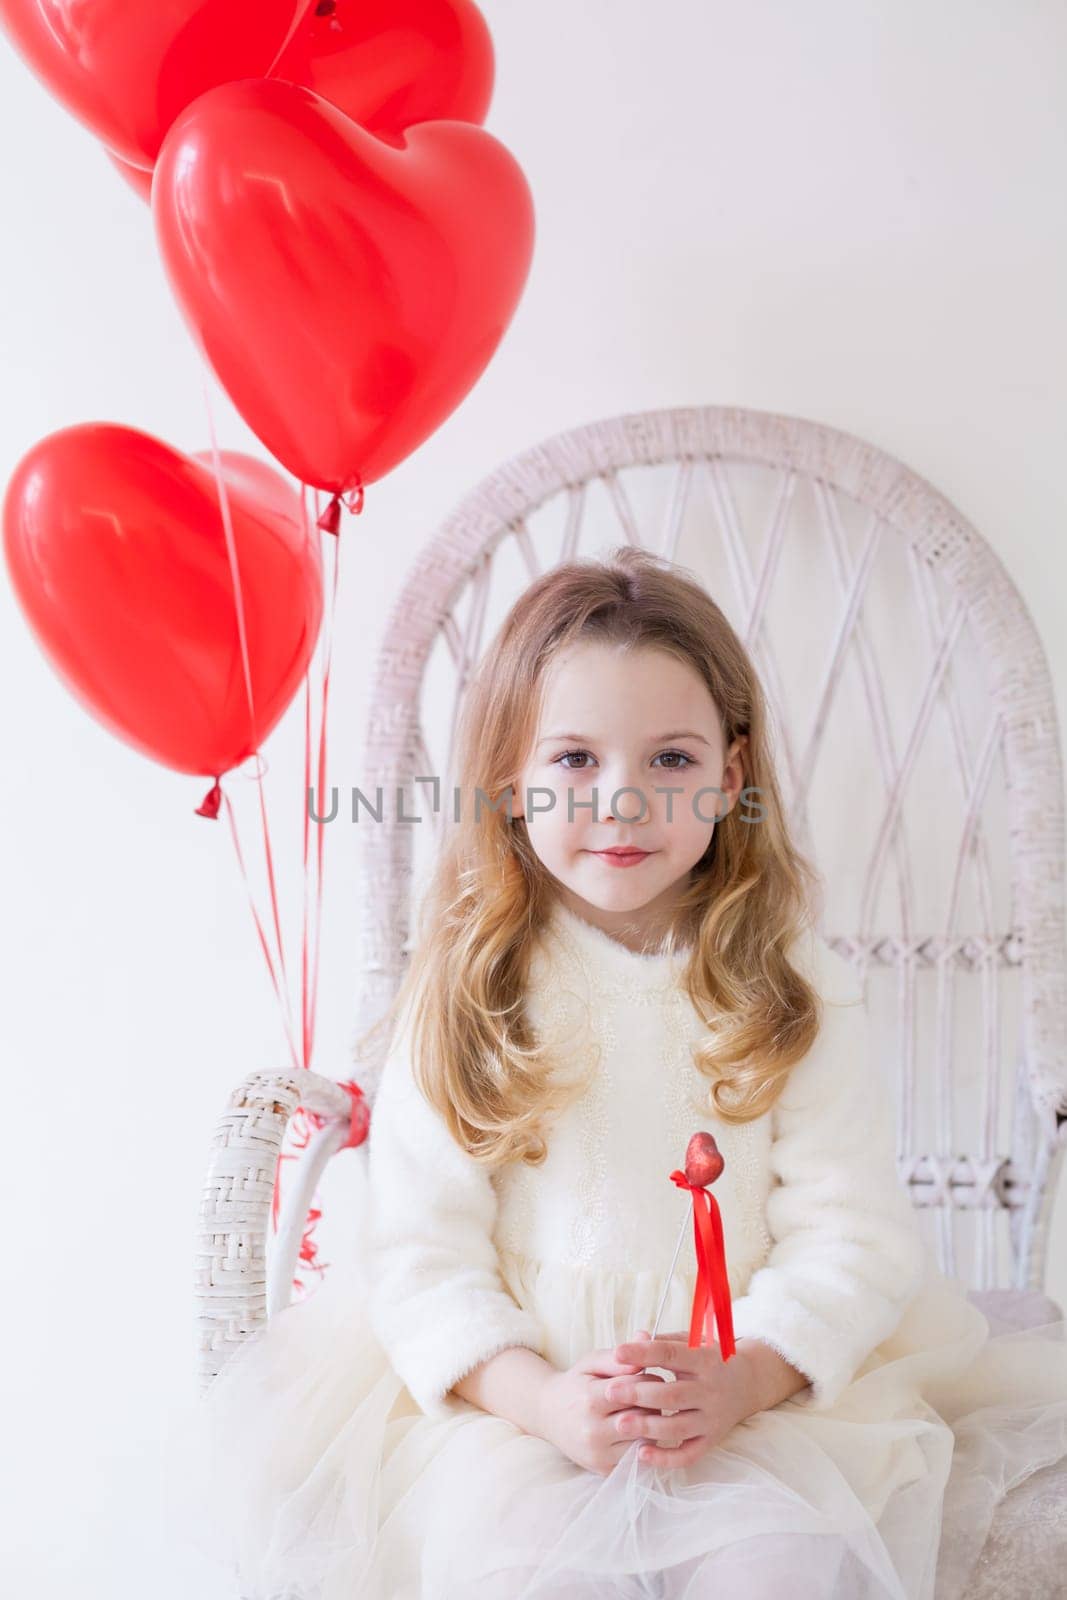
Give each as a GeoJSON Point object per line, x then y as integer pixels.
{"type": "Point", "coordinates": [666, 1286]}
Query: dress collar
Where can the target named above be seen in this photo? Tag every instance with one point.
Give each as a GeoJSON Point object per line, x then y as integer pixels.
{"type": "Point", "coordinates": [613, 962]}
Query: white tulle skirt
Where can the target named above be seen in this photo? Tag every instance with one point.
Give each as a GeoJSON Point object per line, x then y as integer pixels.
{"type": "Point", "coordinates": [309, 1473]}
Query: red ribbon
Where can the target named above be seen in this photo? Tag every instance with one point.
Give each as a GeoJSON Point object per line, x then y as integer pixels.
{"type": "Point", "coordinates": [303, 1124]}
{"type": "Point", "coordinates": [351, 496]}
{"type": "Point", "coordinates": [360, 1120]}
{"type": "Point", "coordinates": [712, 1282]}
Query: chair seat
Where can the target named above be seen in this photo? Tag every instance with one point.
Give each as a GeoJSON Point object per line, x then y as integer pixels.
{"type": "Point", "coordinates": [1025, 1555]}
{"type": "Point", "coordinates": [1009, 1310]}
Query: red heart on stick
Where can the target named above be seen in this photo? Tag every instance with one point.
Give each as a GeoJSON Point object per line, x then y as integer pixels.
{"type": "Point", "coordinates": [347, 292]}
{"type": "Point", "coordinates": [703, 1161]}
{"type": "Point", "coordinates": [117, 552]}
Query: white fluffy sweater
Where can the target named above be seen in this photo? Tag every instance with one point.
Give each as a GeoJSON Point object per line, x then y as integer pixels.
{"type": "Point", "coordinates": [823, 1247]}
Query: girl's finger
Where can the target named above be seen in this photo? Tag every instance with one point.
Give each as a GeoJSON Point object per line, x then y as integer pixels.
{"type": "Point", "coordinates": [674, 1355]}
{"type": "Point", "coordinates": [612, 1403]}
{"type": "Point", "coordinates": [682, 1455]}
{"type": "Point", "coordinates": [658, 1428]}
{"type": "Point", "coordinates": [602, 1364]}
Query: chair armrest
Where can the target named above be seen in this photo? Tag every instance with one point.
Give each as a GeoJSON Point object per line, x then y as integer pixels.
{"type": "Point", "coordinates": [230, 1276]}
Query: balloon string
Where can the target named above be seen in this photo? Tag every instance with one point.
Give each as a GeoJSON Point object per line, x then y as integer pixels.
{"type": "Point", "coordinates": [235, 573]}
{"type": "Point", "coordinates": [321, 826]}
{"type": "Point", "coordinates": [305, 1120]}
{"type": "Point", "coordinates": [259, 926]}
{"type": "Point", "coordinates": [231, 552]}
{"type": "Point", "coordinates": [309, 986]}
{"type": "Point", "coordinates": [306, 824]}
{"type": "Point", "coordinates": [297, 22]}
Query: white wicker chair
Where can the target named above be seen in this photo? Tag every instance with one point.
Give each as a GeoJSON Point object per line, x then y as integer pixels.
{"type": "Point", "coordinates": [901, 664]}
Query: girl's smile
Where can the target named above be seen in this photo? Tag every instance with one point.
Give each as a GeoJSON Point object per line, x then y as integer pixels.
{"type": "Point", "coordinates": [622, 858]}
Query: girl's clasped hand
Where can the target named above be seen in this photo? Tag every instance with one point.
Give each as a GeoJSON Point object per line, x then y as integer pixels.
{"type": "Point", "coordinates": [597, 1408]}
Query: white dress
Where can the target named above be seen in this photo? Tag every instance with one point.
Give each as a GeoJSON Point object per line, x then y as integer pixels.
{"type": "Point", "coordinates": [330, 1461]}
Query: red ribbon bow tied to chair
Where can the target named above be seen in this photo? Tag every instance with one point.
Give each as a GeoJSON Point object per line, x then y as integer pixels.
{"type": "Point", "coordinates": [306, 1121]}
{"type": "Point", "coordinates": [703, 1164]}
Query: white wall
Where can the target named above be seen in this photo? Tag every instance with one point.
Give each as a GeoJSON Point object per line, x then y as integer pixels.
{"type": "Point", "coordinates": [849, 210]}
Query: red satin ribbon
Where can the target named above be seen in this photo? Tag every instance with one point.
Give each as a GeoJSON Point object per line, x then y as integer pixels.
{"type": "Point", "coordinates": [304, 1122]}
{"type": "Point", "coordinates": [712, 1282]}
{"type": "Point", "coordinates": [359, 1122]}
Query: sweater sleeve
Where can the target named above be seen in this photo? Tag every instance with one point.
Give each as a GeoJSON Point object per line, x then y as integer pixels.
{"type": "Point", "coordinates": [436, 1300]}
{"type": "Point", "coordinates": [847, 1254]}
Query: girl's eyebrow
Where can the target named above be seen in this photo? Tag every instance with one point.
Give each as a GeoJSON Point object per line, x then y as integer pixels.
{"type": "Point", "coordinates": [583, 738]}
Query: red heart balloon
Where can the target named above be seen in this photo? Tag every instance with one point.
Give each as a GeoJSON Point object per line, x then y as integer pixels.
{"type": "Point", "coordinates": [117, 552]}
{"type": "Point", "coordinates": [347, 292]}
{"type": "Point", "coordinates": [385, 63]}
{"type": "Point", "coordinates": [126, 71]}
{"type": "Point", "coordinates": [703, 1160]}
{"type": "Point", "coordinates": [390, 63]}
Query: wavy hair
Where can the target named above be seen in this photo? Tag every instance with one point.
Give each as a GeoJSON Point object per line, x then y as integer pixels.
{"type": "Point", "coordinates": [749, 897]}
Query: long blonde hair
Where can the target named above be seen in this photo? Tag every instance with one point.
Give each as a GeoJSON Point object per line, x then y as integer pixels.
{"type": "Point", "coordinates": [748, 898]}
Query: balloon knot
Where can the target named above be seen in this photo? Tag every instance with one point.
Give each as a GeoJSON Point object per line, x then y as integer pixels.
{"type": "Point", "coordinates": [330, 521]}
{"type": "Point", "coordinates": [209, 806]}
{"type": "Point", "coordinates": [351, 498]}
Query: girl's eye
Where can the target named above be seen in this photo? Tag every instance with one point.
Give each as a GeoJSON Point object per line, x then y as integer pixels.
{"type": "Point", "coordinates": [583, 755]}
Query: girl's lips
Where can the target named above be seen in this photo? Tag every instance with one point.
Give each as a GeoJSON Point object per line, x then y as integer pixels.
{"type": "Point", "coordinates": [617, 858]}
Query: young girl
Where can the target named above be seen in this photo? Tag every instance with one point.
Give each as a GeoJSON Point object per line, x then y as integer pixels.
{"type": "Point", "coordinates": [617, 950]}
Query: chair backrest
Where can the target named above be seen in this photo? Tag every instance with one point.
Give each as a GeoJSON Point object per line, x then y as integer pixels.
{"type": "Point", "coordinates": [916, 742]}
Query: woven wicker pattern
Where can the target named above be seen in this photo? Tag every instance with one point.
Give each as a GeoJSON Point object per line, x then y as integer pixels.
{"type": "Point", "coordinates": [231, 1282]}
{"type": "Point", "coordinates": [918, 750]}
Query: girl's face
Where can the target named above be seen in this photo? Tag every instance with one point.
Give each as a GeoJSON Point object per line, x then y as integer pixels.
{"type": "Point", "coordinates": [617, 731]}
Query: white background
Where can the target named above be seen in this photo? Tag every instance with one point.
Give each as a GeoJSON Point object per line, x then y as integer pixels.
{"type": "Point", "coordinates": [849, 210]}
